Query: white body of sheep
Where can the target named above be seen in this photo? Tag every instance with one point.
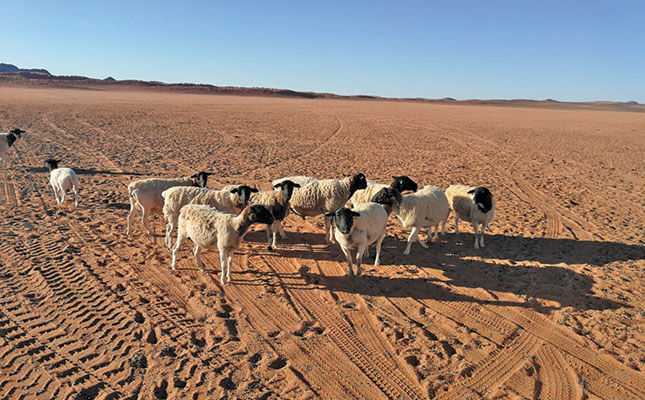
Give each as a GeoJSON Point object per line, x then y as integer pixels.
{"type": "Point", "coordinates": [358, 228]}
{"type": "Point", "coordinates": [208, 227]}
{"type": "Point", "coordinates": [472, 204]}
{"type": "Point", "coordinates": [62, 180]}
{"type": "Point", "coordinates": [317, 197]}
{"type": "Point", "coordinates": [230, 201]}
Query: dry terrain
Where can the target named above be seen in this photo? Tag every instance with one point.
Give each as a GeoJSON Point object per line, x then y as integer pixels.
{"type": "Point", "coordinates": [552, 308]}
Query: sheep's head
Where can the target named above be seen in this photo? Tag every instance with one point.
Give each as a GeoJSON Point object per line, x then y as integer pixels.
{"type": "Point", "coordinates": [403, 183]}
{"type": "Point", "coordinates": [357, 182]}
{"type": "Point", "coordinates": [483, 198]}
{"type": "Point", "coordinates": [343, 218]}
{"type": "Point", "coordinates": [257, 213]}
{"type": "Point", "coordinates": [389, 197]}
{"type": "Point", "coordinates": [17, 132]}
{"type": "Point", "coordinates": [286, 190]}
{"type": "Point", "coordinates": [52, 164]}
{"type": "Point", "coordinates": [201, 178]}
{"type": "Point", "coordinates": [242, 195]}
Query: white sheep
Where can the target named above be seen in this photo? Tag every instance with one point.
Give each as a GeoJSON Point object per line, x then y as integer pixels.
{"type": "Point", "coordinates": [472, 204]}
{"type": "Point", "coordinates": [277, 202]}
{"type": "Point", "coordinates": [208, 227]}
{"type": "Point", "coordinates": [62, 179]}
{"type": "Point", "coordinates": [145, 195]}
{"type": "Point", "coordinates": [7, 140]}
{"type": "Point", "coordinates": [322, 196]}
{"type": "Point", "coordinates": [301, 180]}
{"type": "Point", "coordinates": [400, 183]}
{"type": "Point", "coordinates": [230, 201]}
{"type": "Point", "coordinates": [358, 228]}
{"type": "Point", "coordinates": [426, 208]}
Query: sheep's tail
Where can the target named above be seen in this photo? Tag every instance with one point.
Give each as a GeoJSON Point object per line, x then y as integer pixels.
{"type": "Point", "coordinates": [297, 213]}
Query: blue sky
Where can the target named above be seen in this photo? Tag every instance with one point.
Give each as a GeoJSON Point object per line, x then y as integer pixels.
{"type": "Point", "coordinates": [566, 50]}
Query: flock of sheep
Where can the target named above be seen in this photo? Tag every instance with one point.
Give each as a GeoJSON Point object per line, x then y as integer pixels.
{"type": "Point", "coordinates": [222, 217]}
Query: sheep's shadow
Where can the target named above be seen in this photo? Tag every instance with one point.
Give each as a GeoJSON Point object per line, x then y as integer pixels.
{"type": "Point", "coordinates": [495, 268]}
{"type": "Point", "coordinates": [88, 171]}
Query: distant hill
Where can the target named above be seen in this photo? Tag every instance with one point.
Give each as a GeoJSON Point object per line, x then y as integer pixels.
{"type": "Point", "coordinates": [14, 76]}
{"type": "Point", "coordinates": [10, 68]}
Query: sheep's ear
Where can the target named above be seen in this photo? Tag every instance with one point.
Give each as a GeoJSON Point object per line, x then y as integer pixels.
{"type": "Point", "coordinates": [209, 173]}
{"type": "Point", "coordinates": [277, 185]}
{"type": "Point", "coordinates": [194, 176]}
{"type": "Point", "coordinates": [471, 191]}
{"type": "Point", "coordinates": [354, 213]}
{"type": "Point", "coordinates": [236, 190]}
{"type": "Point", "coordinates": [296, 185]}
{"type": "Point", "coordinates": [395, 177]}
{"type": "Point", "coordinates": [254, 190]}
{"type": "Point", "coordinates": [330, 214]}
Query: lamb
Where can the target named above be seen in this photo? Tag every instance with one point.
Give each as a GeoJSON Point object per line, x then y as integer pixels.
{"type": "Point", "coordinates": [7, 140]}
{"type": "Point", "coordinates": [208, 227]}
{"type": "Point", "coordinates": [358, 228]}
{"type": "Point", "coordinates": [230, 201]}
{"type": "Point", "coordinates": [472, 204]}
{"type": "Point", "coordinates": [323, 196]}
{"type": "Point", "coordinates": [277, 202]}
{"type": "Point", "coordinates": [426, 208]}
{"type": "Point", "coordinates": [62, 179]}
{"type": "Point", "coordinates": [400, 183]}
{"type": "Point", "coordinates": [145, 195]}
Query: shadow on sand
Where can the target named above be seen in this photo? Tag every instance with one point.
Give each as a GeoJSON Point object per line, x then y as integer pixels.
{"type": "Point", "coordinates": [87, 171]}
{"type": "Point", "coordinates": [450, 257]}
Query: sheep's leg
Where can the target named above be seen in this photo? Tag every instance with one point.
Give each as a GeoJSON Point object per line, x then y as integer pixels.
{"type": "Point", "coordinates": [414, 235]}
{"type": "Point", "coordinates": [200, 264]}
{"type": "Point", "coordinates": [62, 197]}
{"type": "Point", "coordinates": [436, 232]}
{"type": "Point", "coordinates": [329, 231]}
{"type": "Point", "coordinates": [169, 229]}
{"type": "Point", "coordinates": [229, 260]}
{"type": "Point", "coordinates": [456, 224]}
{"type": "Point", "coordinates": [359, 259]}
{"type": "Point", "coordinates": [367, 250]}
{"type": "Point", "coordinates": [422, 243]}
{"type": "Point", "coordinates": [379, 241]}
{"type": "Point", "coordinates": [56, 194]}
{"type": "Point", "coordinates": [75, 197]}
{"type": "Point", "coordinates": [222, 264]}
{"type": "Point", "coordinates": [348, 256]}
{"type": "Point", "coordinates": [144, 220]}
{"type": "Point", "coordinates": [481, 236]}
{"type": "Point", "coordinates": [283, 234]}
{"type": "Point", "coordinates": [269, 231]}
{"type": "Point", "coordinates": [476, 229]}
{"type": "Point", "coordinates": [180, 238]}
{"type": "Point", "coordinates": [443, 226]}
{"type": "Point", "coordinates": [275, 240]}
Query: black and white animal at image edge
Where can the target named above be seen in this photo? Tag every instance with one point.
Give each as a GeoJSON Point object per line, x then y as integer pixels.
{"type": "Point", "coordinates": [7, 139]}
{"type": "Point", "coordinates": [62, 180]}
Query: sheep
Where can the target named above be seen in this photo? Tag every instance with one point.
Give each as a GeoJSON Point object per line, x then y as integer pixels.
{"type": "Point", "coordinates": [472, 204]}
{"type": "Point", "coordinates": [323, 196]}
{"type": "Point", "coordinates": [145, 195]}
{"type": "Point", "coordinates": [358, 228]}
{"type": "Point", "coordinates": [428, 207]}
{"type": "Point", "coordinates": [400, 183]}
{"type": "Point", "coordinates": [7, 140]}
{"type": "Point", "coordinates": [230, 201]}
{"type": "Point", "coordinates": [277, 202]}
{"type": "Point", "coordinates": [207, 226]}
{"type": "Point", "coordinates": [62, 179]}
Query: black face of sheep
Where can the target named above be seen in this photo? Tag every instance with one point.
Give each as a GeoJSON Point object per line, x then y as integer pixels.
{"type": "Point", "coordinates": [286, 187]}
{"type": "Point", "coordinates": [388, 197]}
{"type": "Point", "coordinates": [244, 194]}
{"type": "Point", "coordinates": [17, 132]}
{"type": "Point", "coordinates": [343, 218]}
{"type": "Point", "coordinates": [260, 214]}
{"type": "Point", "coordinates": [52, 164]}
{"type": "Point", "coordinates": [403, 183]}
{"type": "Point", "coordinates": [483, 198]}
{"type": "Point", "coordinates": [358, 182]}
{"type": "Point", "coordinates": [201, 178]}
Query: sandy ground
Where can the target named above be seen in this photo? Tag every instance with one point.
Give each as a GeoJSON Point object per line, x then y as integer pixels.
{"type": "Point", "coordinates": [552, 308]}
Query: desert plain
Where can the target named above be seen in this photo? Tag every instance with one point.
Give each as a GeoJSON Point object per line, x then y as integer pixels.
{"type": "Point", "coordinates": [552, 307]}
